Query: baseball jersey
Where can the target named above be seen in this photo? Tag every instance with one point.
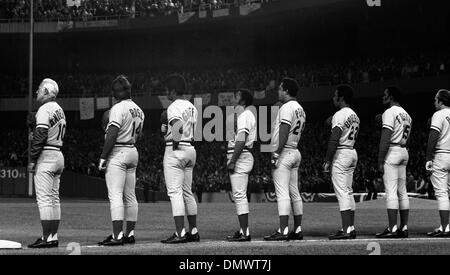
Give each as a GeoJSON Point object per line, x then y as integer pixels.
{"type": "Point", "coordinates": [292, 114]}
{"type": "Point", "coordinates": [399, 122]}
{"type": "Point", "coordinates": [347, 120]}
{"type": "Point", "coordinates": [441, 123]}
{"type": "Point", "coordinates": [185, 111]}
{"type": "Point", "coordinates": [51, 116]}
{"type": "Point", "coordinates": [129, 118]}
{"type": "Point", "coordinates": [246, 122]}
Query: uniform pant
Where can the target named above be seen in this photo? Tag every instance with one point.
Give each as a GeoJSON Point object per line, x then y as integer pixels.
{"type": "Point", "coordinates": [441, 180]}
{"type": "Point", "coordinates": [178, 168]}
{"type": "Point", "coordinates": [342, 170]}
{"type": "Point", "coordinates": [49, 168]}
{"type": "Point", "coordinates": [285, 179]}
{"type": "Point", "coordinates": [239, 181]}
{"type": "Point", "coordinates": [121, 182]}
{"type": "Point", "coordinates": [394, 178]}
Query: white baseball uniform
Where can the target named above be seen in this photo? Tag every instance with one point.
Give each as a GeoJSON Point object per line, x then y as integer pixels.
{"type": "Point", "coordinates": [179, 164]}
{"type": "Point", "coordinates": [285, 177]}
{"type": "Point", "coordinates": [399, 122]}
{"type": "Point", "coordinates": [441, 162]}
{"type": "Point", "coordinates": [50, 163]}
{"type": "Point", "coordinates": [345, 158]}
{"type": "Point", "coordinates": [246, 123]}
{"type": "Point", "coordinates": [122, 162]}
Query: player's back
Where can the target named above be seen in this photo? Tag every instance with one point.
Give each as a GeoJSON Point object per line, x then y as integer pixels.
{"type": "Point", "coordinates": [290, 113]}
{"type": "Point", "coordinates": [347, 120]}
{"type": "Point", "coordinates": [184, 111]}
{"type": "Point", "coordinates": [129, 118]}
{"type": "Point", "coordinates": [51, 116]}
{"type": "Point", "coordinates": [399, 122]}
{"type": "Point", "coordinates": [441, 123]}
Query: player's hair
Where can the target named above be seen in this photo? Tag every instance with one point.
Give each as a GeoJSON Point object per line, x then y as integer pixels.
{"type": "Point", "coordinates": [246, 96]}
{"type": "Point", "coordinates": [395, 93]}
{"type": "Point", "coordinates": [345, 91]}
{"type": "Point", "coordinates": [177, 83]}
{"type": "Point", "coordinates": [444, 97]}
{"type": "Point", "coordinates": [121, 87]}
{"type": "Point", "coordinates": [290, 85]}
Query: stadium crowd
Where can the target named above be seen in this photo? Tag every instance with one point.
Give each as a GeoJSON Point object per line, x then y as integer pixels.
{"type": "Point", "coordinates": [48, 10]}
{"type": "Point", "coordinates": [255, 78]}
{"type": "Point", "coordinates": [82, 148]}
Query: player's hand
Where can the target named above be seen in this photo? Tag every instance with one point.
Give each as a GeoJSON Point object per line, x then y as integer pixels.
{"type": "Point", "coordinates": [429, 165]}
{"type": "Point", "coordinates": [231, 166]}
{"type": "Point", "coordinates": [102, 165]}
{"type": "Point", "coordinates": [274, 161]}
{"type": "Point", "coordinates": [31, 167]}
{"type": "Point", "coordinates": [164, 128]}
{"type": "Point", "coordinates": [326, 167]}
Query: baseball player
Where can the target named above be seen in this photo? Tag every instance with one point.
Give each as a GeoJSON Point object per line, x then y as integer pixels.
{"type": "Point", "coordinates": [179, 160]}
{"type": "Point", "coordinates": [341, 157]}
{"type": "Point", "coordinates": [288, 126]}
{"type": "Point", "coordinates": [438, 159]}
{"type": "Point", "coordinates": [240, 163]}
{"type": "Point", "coordinates": [392, 160]}
{"type": "Point", "coordinates": [47, 161]}
{"type": "Point", "coordinates": [119, 160]}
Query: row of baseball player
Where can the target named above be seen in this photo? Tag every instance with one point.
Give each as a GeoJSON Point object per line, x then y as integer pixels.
{"type": "Point", "coordinates": [119, 159]}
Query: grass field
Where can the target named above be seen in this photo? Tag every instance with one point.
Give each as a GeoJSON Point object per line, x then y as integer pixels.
{"type": "Point", "coordinates": [87, 222]}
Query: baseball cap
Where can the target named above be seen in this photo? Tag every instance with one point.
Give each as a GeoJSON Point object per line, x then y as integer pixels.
{"type": "Point", "coordinates": [51, 86]}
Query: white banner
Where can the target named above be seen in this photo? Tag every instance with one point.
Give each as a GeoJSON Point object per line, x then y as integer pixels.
{"type": "Point", "coordinates": [260, 94]}
{"type": "Point", "coordinates": [184, 17]}
{"type": "Point", "coordinates": [226, 99]}
{"type": "Point", "coordinates": [64, 25]}
{"type": "Point", "coordinates": [202, 14]}
{"type": "Point", "coordinates": [71, 3]}
{"type": "Point", "coordinates": [247, 9]}
{"type": "Point", "coordinates": [102, 103]}
{"type": "Point", "coordinates": [86, 108]}
{"type": "Point", "coordinates": [221, 12]}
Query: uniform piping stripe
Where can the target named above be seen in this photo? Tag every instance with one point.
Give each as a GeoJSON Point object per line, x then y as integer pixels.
{"type": "Point", "coordinates": [436, 128]}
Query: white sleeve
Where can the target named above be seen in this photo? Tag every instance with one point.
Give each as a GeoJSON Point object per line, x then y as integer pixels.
{"type": "Point", "coordinates": [115, 117]}
{"type": "Point", "coordinates": [285, 115]}
{"type": "Point", "coordinates": [42, 119]}
{"type": "Point", "coordinates": [338, 121]}
{"type": "Point", "coordinates": [436, 122]}
{"type": "Point", "coordinates": [173, 113]}
{"type": "Point", "coordinates": [388, 120]}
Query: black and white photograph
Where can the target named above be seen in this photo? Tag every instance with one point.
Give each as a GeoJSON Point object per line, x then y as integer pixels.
{"type": "Point", "coordinates": [224, 133]}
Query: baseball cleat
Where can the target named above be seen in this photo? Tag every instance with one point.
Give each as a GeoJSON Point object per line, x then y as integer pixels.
{"type": "Point", "coordinates": [277, 236]}
{"type": "Point", "coordinates": [192, 237]}
{"type": "Point", "coordinates": [341, 235]}
{"type": "Point", "coordinates": [295, 236]}
{"type": "Point", "coordinates": [387, 234]}
{"type": "Point", "coordinates": [129, 240]}
{"type": "Point", "coordinates": [239, 237]}
{"type": "Point", "coordinates": [438, 233]}
{"type": "Point", "coordinates": [110, 241]}
{"type": "Point", "coordinates": [40, 243]}
{"type": "Point", "coordinates": [402, 234]}
{"type": "Point", "coordinates": [174, 239]}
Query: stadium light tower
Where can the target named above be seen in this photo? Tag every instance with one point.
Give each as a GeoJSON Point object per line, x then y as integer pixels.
{"type": "Point", "coordinates": [30, 93]}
